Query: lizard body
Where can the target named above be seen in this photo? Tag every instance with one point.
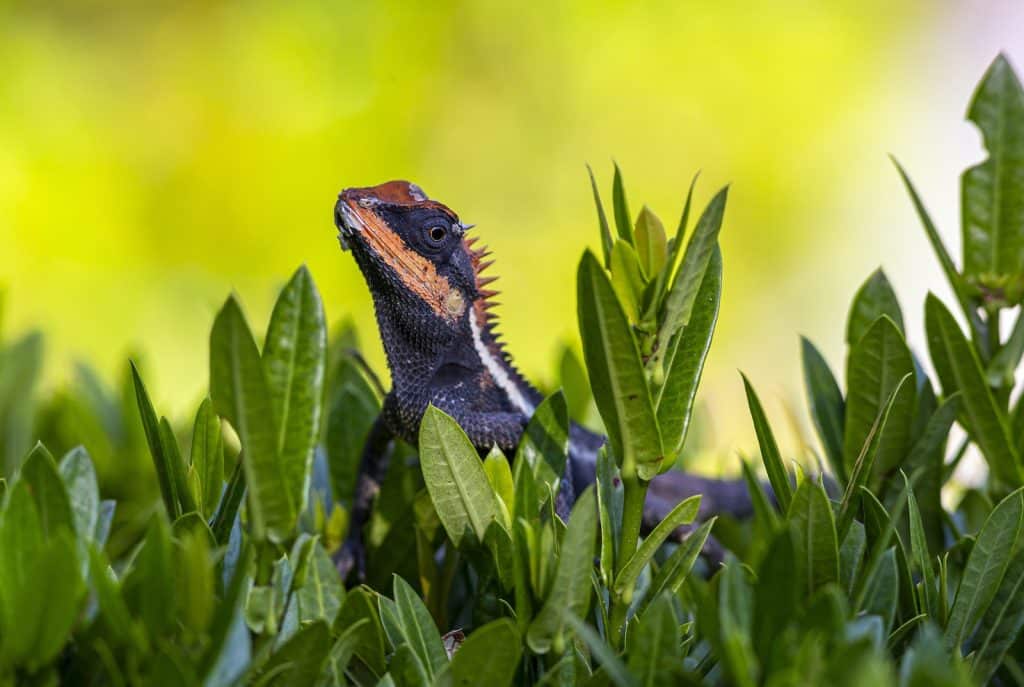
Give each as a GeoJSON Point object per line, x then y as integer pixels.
{"type": "Point", "coordinates": [434, 311]}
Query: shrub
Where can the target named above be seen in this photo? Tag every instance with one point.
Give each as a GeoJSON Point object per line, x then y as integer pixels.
{"type": "Point", "coordinates": [219, 570]}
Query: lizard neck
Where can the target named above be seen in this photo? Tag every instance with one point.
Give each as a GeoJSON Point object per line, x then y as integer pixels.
{"type": "Point", "coordinates": [498, 364]}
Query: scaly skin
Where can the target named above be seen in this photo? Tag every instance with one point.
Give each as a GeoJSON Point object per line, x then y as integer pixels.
{"type": "Point", "coordinates": [435, 318]}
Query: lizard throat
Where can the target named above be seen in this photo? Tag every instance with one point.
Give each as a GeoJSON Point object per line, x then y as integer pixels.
{"type": "Point", "coordinates": [496, 367]}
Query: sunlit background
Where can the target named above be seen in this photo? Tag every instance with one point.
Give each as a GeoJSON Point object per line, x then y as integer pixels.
{"type": "Point", "coordinates": [155, 156]}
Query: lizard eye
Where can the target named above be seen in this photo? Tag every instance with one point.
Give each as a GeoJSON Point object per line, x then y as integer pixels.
{"type": "Point", "coordinates": [437, 233]}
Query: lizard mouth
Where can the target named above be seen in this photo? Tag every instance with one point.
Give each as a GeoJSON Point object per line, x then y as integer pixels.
{"type": "Point", "coordinates": [347, 222]}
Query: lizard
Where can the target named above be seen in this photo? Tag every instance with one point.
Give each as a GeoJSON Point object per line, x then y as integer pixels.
{"type": "Point", "coordinates": [435, 314]}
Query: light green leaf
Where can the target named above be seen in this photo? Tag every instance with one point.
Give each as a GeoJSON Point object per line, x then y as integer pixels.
{"type": "Point", "coordinates": [571, 588]}
{"type": "Point", "coordinates": [499, 474]}
{"type": "Point", "coordinates": [489, 656]}
{"type": "Point", "coordinates": [79, 476]}
{"type": "Point", "coordinates": [241, 394]}
{"type": "Point", "coordinates": [683, 292]}
{"type": "Point", "coordinates": [650, 242]}
{"type": "Point", "coordinates": [455, 479]}
{"type": "Point", "coordinates": [418, 628]}
{"type": "Point", "coordinates": [208, 457]}
{"type": "Point", "coordinates": [615, 370]}
{"type": "Point", "coordinates": [683, 514]}
{"type": "Point", "coordinates": [627, 278]}
{"type": "Point", "coordinates": [958, 368]}
{"type": "Point", "coordinates": [294, 358]}
{"type": "Point", "coordinates": [40, 473]}
{"type": "Point", "coordinates": [322, 592]}
{"type": "Point", "coordinates": [673, 571]}
{"type": "Point", "coordinates": [993, 201]}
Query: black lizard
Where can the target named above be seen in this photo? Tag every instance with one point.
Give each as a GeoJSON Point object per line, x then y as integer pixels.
{"type": "Point", "coordinates": [434, 312]}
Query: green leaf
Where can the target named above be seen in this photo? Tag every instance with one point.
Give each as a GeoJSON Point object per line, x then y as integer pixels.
{"type": "Point", "coordinates": [610, 501]}
{"type": "Point", "coordinates": [992, 198]}
{"type": "Point", "coordinates": [322, 592]}
{"type": "Point", "coordinates": [353, 408]}
{"type": "Point", "coordinates": [300, 660]}
{"type": "Point", "coordinates": [874, 299]}
{"type": "Point", "coordinates": [956, 281]}
{"type": "Point", "coordinates": [682, 294]}
{"type": "Point", "coordinates": [781, 580]}
{"type": "Point", "coordinates": [193, 579]}
{"type": "Point", "coordinates": [59, 604]}
{"type": "Point", "coordinates": [241, 394]}
{"type": "Point", "coordinates": [674, 570]}
{"type": "Point", "coordinates": [294, 358]}
{"type": "Point", "coordinates": [545, 442]}
{"type": "Point", "coordinates": [627, 278]}
{"type": "Point", "coordinates": [926, 457]}
{"type": "Point", "coordinates": [571, 588]}
{"type": "Point", "coordinates": [489, 656]}
{"type": "Point", "coordinates": [995, 546]}
{"type": "Point", "coordinates": [455, 479]}
{"type": "Point", "coordinates": [359, 606]}
{"type": "Point", "coordinates": [606, 234]}
{"type": "Point", "coordinates": [777, 475]}
{"type": "Point", "coordinates": [683, 514]}
{"type": "Point", "coordinates": [735, 618]}
{"type": "Point", "coordinates": [208, 456]}
{"type": "Point", "coordinates": [817, 547]}
{"type": "Point", "coordinates": [876, 365]}
{"type": "Point", "coordinates": [864, 465]}
{"type": "Point", "coordinates": [499, 475]}
{"type": "Point", "coordinates": [83, 492]}
{"type": "Point", "coordinates": [419, 629]}
{"type": "Point", "coordinates": [1000, 370]}
{"type": "Point", "coordinates": [922, 558]}
{"type": "Point", "coordinates": [1002, 622]}
{"type": "Point", "coordinates": [650, 242]}
{"type": "Point", "coordinates": [616, 372]}
{"type": "Point", "coordinates": [166, 471]}
{"type": "Point", "coordinates": [655, 655]}
{"type": "Point", "coordinates": [882, 593]}
{"type": "Point", "coordinates": [621, 207]}
{"type": "Point", "coordinates": [828, 408]}
{"type": "Point", "coordinates": [153, 569]}
{"type": "Point", "coordinates": [224, 520]}
{"type": "Point", "coordinates": [958, 368]}
{"type": "Point", "coordinates": [20, 530]}
{"type": "Point", "coordinates": [170, 444]}
{"type": "Point", "coordinates": [40, 473]}
{"type": "Point", "coordinates": [674, 399]}
{"type": "Point", "coordinates": [575, 385]}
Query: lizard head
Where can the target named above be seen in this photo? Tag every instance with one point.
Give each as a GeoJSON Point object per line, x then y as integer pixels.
{"type": "Point", "coordinates": [412, 251]}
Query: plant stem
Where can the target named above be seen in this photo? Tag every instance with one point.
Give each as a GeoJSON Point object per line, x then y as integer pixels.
{"type": "Point", "coordinates": [635, 493]}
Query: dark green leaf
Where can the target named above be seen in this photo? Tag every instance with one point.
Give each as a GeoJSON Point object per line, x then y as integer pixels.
{"type": "Point", "coordinates": [545, 442]}
{"type": "Point", "coordinates": [606, 234]}
{"type": "Point", "coordinates": [993, 201]}
{"type": "Point", "coordinates": [674, 570]}
{"type": "Point", "coordinates": [992, 552]}
{"type": "Point", "coordinates": [165, 470]}
{"type": "Point", "coordinates": [300, 660]}
{"type": "Point", "coordinates": [773, 465]}
{"type": "Point", "coordinates": [875, 367]}
{"type": "Point", "coordinates": [655, 654]}
{"type": "Point", "coordinates": [353, 408]}
{"type": "Point", "coordinates": [874, 299]}
{"type": "Point", "coordinates": [882, 594]}
{"type": "Point", "coordinates": [40, 473]}
{"type": "Point", "coordinates": [418, 628]}
{"type": "Point", "coordinates": [827, 406]}
{"type": "Point", "coordinates": [817, 548]}
{"type": "Point", "coordinates": [958, 368]}
{"type": "Point", "coordinates": [621, 207]}
{"type": "Point", "coordinates": [922, 557]}
{"type": "Point", "coordinates": [684, 363]}
{"type": "Point", "coordinates": [683, 292]}
{"type": "Point", "coordinates": [615, 370]}
{"type": "Point", "coordinates": [489, 656]}
{"type": "Point", "coordinates": [682, 514]}
{"type": "Point", "coordinates": [1001, 624]}
{"type": "Point", "coordinates": [359, 606]}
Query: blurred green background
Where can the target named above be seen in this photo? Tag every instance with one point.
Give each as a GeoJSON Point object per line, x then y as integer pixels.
{"type": "Point", "coordinates": [155, 156]}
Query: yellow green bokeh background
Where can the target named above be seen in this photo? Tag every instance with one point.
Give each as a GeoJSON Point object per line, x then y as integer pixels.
{"type": "Point", "coordinates": [155, 156]}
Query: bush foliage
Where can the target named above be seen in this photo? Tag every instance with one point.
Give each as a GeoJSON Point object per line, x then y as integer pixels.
{"type": "Point", "coordinates": [219, 570]}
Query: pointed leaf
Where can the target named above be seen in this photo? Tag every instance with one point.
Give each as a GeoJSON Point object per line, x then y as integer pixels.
{"type": "Point", "coordinates": [874, 299]}
{"type": "Point", "coordinates": [773, 465]}
{"type": "Point", "coordinates": [828, 408]}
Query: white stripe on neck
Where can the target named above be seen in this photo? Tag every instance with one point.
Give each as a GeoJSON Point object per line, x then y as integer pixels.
{"type": "Point", "coordinates": [497, 370]}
